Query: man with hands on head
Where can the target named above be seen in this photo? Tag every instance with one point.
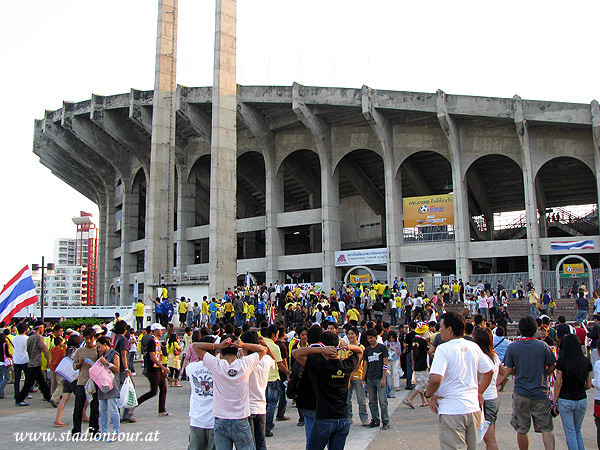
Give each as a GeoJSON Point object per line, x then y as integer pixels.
{"type": "Point", "coordinates": [231, 379]}
{"type": "Point", "coordinates": [453, 391]}
{"type": "Point", "coordinates": [331, 377]}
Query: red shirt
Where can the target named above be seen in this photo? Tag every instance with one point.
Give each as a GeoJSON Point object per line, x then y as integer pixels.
{"type": "Point", "coordinates": [581, 334]}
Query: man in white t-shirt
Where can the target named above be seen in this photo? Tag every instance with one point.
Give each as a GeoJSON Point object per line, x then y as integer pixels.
{"type": "Point", "coordinates": [453, 391]}
{"type": "Point", "coordinates": [231, 379]}
{"type": "Point", "coordinates": [258, 390]}
{"type": "Point", "coordinates": [201, 402]}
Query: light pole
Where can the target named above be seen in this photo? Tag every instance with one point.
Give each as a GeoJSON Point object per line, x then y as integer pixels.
{"type": "Point", "coordinates": [34, 269]}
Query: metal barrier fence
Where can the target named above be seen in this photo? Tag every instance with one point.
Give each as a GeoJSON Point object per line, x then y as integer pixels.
{"type": "Point", "coordinates": [508, 280]}
{"type": "Point", "coordinates": [428, 234]}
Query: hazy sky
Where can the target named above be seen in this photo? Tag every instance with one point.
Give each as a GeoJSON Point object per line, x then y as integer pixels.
{"type": "Point", "coordinates": [68, 49]}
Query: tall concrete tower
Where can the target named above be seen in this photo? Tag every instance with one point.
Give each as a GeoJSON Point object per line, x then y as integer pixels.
{"type": "Point", "coordinates": [161, 188]}
{"type": "Point", "coordinates": [223, 153]}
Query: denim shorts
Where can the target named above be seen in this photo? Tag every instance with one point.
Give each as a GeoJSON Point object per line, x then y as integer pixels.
{"type": "Point", "coordinates": [490, 410]}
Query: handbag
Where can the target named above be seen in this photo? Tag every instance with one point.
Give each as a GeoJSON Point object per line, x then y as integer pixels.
{"type": "Point", "coordinates": [65, 369]}
{"type": "Point", "coordinates": [102, 376]}
{"type": "Point", "coordinates": [8, 362]}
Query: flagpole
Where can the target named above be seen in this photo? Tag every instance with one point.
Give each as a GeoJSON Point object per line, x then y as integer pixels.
{"type": "Point", "coordinates": [35, 268]}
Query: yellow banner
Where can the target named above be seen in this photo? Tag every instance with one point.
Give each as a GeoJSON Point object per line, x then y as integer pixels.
{"type": "Point", "coordinates": [573, 268]}
{"type": "Point", "coordinates": [433, 210]}
{"type": "Point", "coordinates": [366, 278]}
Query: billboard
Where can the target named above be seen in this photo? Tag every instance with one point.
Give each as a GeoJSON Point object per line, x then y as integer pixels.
{"type": "Point", "coordinates": [429, 211]}
{"type": "Point", "coordinates": [573, 268]}
{"type": "Point", "coordinates": [355, 279]}
{"type": "Point", "coordinates": [361, 257]}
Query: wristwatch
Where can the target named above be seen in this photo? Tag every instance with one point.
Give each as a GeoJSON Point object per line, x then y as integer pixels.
{"type": "Point", "coordinates": [427, 396]}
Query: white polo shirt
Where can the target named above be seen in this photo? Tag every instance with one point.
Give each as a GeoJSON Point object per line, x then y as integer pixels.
{"type": "Point", "coordinates": [258, 385]}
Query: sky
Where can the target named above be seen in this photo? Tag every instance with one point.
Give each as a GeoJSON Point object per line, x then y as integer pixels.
{"type": "Point", "coordinates": [65, 50]}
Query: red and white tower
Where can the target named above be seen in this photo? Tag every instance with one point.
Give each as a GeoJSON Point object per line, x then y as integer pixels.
{"type": "Point", "coordinates": [86, 256]}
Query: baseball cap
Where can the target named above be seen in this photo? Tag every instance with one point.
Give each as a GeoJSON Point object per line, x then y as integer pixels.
{"type": "Point", "coordinates": [156, 326]}
{"type": "Point", "coordinates": [98, 329]}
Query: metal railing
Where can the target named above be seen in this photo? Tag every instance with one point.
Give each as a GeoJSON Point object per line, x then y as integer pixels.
{"type": "Point", "coordinates": [428, 234]}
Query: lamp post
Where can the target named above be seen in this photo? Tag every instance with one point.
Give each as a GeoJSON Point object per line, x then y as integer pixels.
{"type": "Point", "coordinates": [44, 267]}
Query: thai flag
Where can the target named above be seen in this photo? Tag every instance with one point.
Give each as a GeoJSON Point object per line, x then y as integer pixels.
{"type": "Point", "coordinates": [271, 315]}
{"type": "Point", "coordinates": [18, 293]}
{"type": "Point", "coordinates": [572, 245]}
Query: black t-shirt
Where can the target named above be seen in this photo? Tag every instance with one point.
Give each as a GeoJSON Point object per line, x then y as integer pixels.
{"type": "Point", "coordinates": [374, 358]}
{"type": "Point", "coordinates": [378, 306]}
{"type": "Point", "coordinates": [301, 387]}
{"type": "Point", "coordinates": [151, 348]}
{"type": "Point", "coordinates": [548, 341]}
{"type": "Point", "coordinates": [284, 355]}
{"type": "Point", "coordinates": [562, 330]}
{"type": "Point", "coordinates": [409, 337]}
{"type": "Point", "coordinates": [419, 348]}
{"type": "Point", "coordinates": [582, 304]}
{"type": "Point", "coordinates": [572, 388]}
{"type": "Point", "coordinates": [121, 344]}
{"type": "Point", "coordinates": [331, 378]}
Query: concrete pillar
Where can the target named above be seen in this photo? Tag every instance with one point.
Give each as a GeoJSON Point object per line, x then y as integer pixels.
{"type": "Point", "coordinates": [330, 202]}
{"type": "Point", "coordinates": [223, 179]}
{"type": "Point", "coordinates": [595, 107]}
{"type": "Point", "coordinates": [393, 187]}
{"type": "Point", "coordinates": [128, 235]}
{"type": "Point", "coordinates": [462, 235]}
{"type": "Point", "coordinates": [161, 185]}
{"type": "Point", "coordinates": [274, 205]}
{"type": "Point", "coordinates": [186, 210]}
{"type": "Point", "coordinates": [112, 268]}
{"type": "Point", "coordinates": [531, 209]}
{"type": "Point", "coordinates": [101, 288]}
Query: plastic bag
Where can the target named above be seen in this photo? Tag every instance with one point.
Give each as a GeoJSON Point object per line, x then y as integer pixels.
{"type": "Point", "coordinates": [482, 429]}
{"type": "Point", "coordinates": [65, 369]}
{"type": "Point", "coordinates": [102, 376]}
{"type": "Point", "coordinates": [128, 398]}
{"type": "Point", "coordinates": [90, 389]}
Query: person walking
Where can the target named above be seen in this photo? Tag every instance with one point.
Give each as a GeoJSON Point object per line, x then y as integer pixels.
{"type": "Point", "coordinates": [35, 348]}
{"type": "Point", "coordinates": [5, 357]}
{"type": "Point", "coordinates": [531, 362]}
{"type": "Point", "coordinates": [20, 357]}
{"type": "Point", "coordinates": [83, 359]}
{"type": "Point", "coordinates": [453, 391]}
{"type": "Point", "coordinates": [109, 401]}
{"type": "Point", "coordinates": [156, 371]}
{"type": "Point", "coordinates": [573, 377]}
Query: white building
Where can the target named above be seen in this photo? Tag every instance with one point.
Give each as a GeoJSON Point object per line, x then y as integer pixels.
{"type": "Point", "coordinates": [64, 287]}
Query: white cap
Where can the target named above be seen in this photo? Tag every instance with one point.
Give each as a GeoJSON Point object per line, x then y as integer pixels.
{"type": "Point", "coordinates": [156, 326]}
{"type": "Point", "coordinates": [97, 328]}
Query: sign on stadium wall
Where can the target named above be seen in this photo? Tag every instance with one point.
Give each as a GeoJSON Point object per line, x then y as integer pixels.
{"type": "Point", "coordinates": [573, 268]}
{"type": "Point", "coordinates": [361, 257]}
{"type": "Point", "coordinates": [355, 279]}
{"type": "Point", "coordinates": [432, 210]}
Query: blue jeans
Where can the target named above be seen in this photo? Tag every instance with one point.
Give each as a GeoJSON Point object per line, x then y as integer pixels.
{"type": "Point", "coordinates": [581, 316]}
{"type": "Point", "coordinates": [213, 318]}
{"type": "Point", "coordinates": [394, 316]}
{"type": "Point", "coordinates": [229, 432]}
{"type": "Point", "coordinates": [329, 432]}
{"type": "Point", "coordinates": [572, 413]}
{"type": "Point", "coordinates": [257, 424]}
{"type": "Point", "coordinates": [533, 311]}
{"type": "Point", "coordinates": [377, 395]}
{"type": "Point", "coordinates": [309, 422]}
{"type": "Point", "coordinates": [4, 377]}
{"type": "Point", "coordinates": [409, 371]}
{"type": "Point", "coordinates": [273, 394]}
{"type": "Point", "coordinates": [484, 313]}
{"type": "Point", "coordinates": [109, 409]}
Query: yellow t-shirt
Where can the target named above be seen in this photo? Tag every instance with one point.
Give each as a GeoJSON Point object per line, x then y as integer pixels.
{"type": "Point", "coordinates": [182, 307]}
{"type": "Point", "coordinates": [204, 307]}
{"type": "Point", "coordinates": [274, 373]}
{"type": "Point", "coordinates": [380, 289]}
{"type": "Point", "coordinates": [251, 310]}
{"type": "Point", "coordinates": [139, 309]}
{"type": "Point", "coordinates": [353, 314]}
{"type": "Point", "coordinates": [228, 307]}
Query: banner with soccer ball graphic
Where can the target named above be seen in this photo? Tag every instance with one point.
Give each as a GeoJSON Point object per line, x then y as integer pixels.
{"type": "Point", "coordinates": [429, 211]}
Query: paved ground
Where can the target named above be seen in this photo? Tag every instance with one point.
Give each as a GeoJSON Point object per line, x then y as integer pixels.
{"type": "Point", "coordinates": [410, 429]}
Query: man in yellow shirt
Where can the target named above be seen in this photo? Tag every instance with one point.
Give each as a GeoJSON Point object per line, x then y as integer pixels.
{"type": "Point", "coordinates": [356, 383]}
{"type": "Point", "coordinates": [353, 315]}
{"type": "Point", "coordinates": [274, 385]}
{"type": "Point", "coordinates": [182, 307]}
{"type": "Point", "coordinates": [139, 314]}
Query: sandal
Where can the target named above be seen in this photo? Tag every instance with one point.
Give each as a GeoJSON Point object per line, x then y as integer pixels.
{"type": "Point", "coordinates": [424, 406]}
{"type": "Point", "coordinates": [60, 424]}
{"type": "Point", "coordinates": [164, 414]}
{"type": "Point", "coordinates": [408, 403]}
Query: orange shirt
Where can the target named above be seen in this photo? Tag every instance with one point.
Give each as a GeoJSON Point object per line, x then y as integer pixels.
{"type": "Point", "coordinates": [56, 355]}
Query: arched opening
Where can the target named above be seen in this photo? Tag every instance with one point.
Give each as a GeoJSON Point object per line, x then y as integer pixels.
{"type": "Point", "coordinates": [496, 198]}
{"type": "Point", "coordinates": [200, 176]}
{"type": "Point", "coordinates": [567, 199]}
{"type": "Point", "coordinates": [139, 191]}
{"type": "Point", "coordinates": [362, 200]}
{"type": "Point", "coordinates": [250, 185]}
{"type": "Point", "coordinates": [570, 277]}
{"type": "Point", "coordinates": [301, 171]}
{"type": "Point", "coordinates": [425, 174]}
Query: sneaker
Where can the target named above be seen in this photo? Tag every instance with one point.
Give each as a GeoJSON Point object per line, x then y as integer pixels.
{"type": "Point", "coordinates": [21, 404]}
{"type": "Point", "coordinates": [373, 425]}
{"type": "Point", "coordinates": [365, 423]}
{"type": "Point", "coordinates": [280, 419]}
{"type": "Point", "coordinates": [385, 426]}
{"type": "Point", "coordinates": [268, 434]}
{"type": "Point", "coordinates": [29, 397]}
{"type": "Point", "coordinates": [300, 424]}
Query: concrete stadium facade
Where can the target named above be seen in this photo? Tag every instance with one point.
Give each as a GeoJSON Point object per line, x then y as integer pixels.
{"type": "Point", "coordinates": [323, 169]}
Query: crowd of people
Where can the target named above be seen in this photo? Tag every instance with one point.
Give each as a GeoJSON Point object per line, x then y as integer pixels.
{"type": "Point", "coordinates": [258, 350]}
